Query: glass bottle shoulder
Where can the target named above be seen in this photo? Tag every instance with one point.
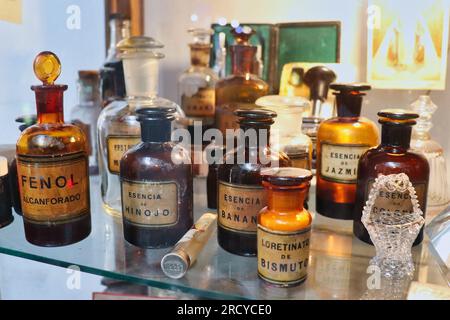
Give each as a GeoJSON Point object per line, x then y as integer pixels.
{"type": "Point", "coordinates": [243, 80]}
{"type": "Point", "coordinates": [285, 221]}
{"type": "Point", "coordinates": [349, 130]}
{"type": "Point", "coordinates": [51, 139]}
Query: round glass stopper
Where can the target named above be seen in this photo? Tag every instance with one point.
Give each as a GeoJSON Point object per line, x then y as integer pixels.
{"type": "Point", "coordinates": [47, 67]}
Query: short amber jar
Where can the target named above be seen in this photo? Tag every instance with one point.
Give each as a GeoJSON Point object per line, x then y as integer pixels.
{"type": "Point", "coordinates": [284, 227]}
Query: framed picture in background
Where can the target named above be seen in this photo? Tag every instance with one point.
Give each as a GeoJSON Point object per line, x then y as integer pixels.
{"type": "Point", "coordinates": [407, 44]}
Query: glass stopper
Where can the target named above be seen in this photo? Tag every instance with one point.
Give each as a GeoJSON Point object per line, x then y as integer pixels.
{"type": "Point", "coordinates": [47, 67]}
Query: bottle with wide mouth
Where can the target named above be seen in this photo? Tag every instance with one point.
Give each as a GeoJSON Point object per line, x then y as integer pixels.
{"type": "Point", "coordinates": [118, 128]}
{"type": "Point", "coordinates": [392, 157]}
{"type": "Point", "coordinates": [340, 143]}
{"type": "Point", "coordinates": [240, 195]}
{"type": "Point", "coordinates": [52, 166]}
{"type": "Point", "coordinates": [243, 86]}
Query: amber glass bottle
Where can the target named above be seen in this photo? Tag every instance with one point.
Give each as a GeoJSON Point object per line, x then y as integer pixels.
{"type": "Point", "coordinates": [52, 167]}
{"type": "Point", "coordinates": [392, 156]}
{"type": "Point", "coordinates": [284, 227]}
{"type": "Point", "coordinates": [240, 192]}
{"type": "Point", "coordinates": [340, 143]}
{"type": "Point", "coordinates": [242, 88]}
{"type": "Point", "coordinates": [156, 191]}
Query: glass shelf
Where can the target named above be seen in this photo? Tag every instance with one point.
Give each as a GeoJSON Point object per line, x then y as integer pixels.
{"type": "Point", "coordinates": [337, 270]}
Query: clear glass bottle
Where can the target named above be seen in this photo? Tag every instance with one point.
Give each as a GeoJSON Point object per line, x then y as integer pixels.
{"type": "Point", "coordinates": [118, 129]}
{"type": "Point", "coordinates": [341, 141]}
{"type": "Point", "coordinates": [85, 113]}
{"type": "Point", "coordinates": [286, 132]}
{"type": "Point", "coordinates": [243, 86]}
{"type": "Point", "coordinates": [157, 193]}
{"type": "Point", "coordinates": [421, 141]}
{"type": "Point", "coordinates": [52, 167]}
{"type": "Point", "coordinates": [392, 156]}
{"type": "Point", "coordinates": [240, 195]}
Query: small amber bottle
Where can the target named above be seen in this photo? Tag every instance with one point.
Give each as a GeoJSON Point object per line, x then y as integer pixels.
{"type": "Point", "coordinates": [284, 227]}
{"type": "Point", "coordinates": [156, 184]}
{"type": "Point", "coordinates": [52, 166]}
{"type": "Point", "coordinates": [340, 143]}
{"type": "Point", "coordinates": [240, 194]}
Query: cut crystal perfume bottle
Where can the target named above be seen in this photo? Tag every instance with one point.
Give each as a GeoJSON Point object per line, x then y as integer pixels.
{"type": "Point", "coordinates": [421, 141]}
{"type": "Point", "coordinates": [118, 128]}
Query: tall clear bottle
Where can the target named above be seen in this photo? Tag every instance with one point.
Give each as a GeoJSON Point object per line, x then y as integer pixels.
{"type": "Point", "coordinates": [85, 113]}
{"type": "Point", "coordinates": [118, 128]}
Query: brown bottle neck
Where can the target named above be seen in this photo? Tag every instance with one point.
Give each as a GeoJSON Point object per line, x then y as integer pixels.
{"type": "Point", "coordinates": [50, 103]}
{"type": "Point", "coordinates": [348, 106]}
{"type": "Point", "coordinates": [242, 59]}
{"type": "Point", "coordinates": [200, 55]}
{"type": "Point", "coordinates": [395, 135]}
{"type": "Point", "coordinates": [288, 199]}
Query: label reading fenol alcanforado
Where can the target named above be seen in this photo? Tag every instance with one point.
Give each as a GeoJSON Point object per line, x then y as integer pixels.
{"type": "Point", "coordinates": [150, 204]}
{"type": "Point", "coordinates": [339, 163]}
{"type": "Point", "coordinates": [283, 256]}
{"type": "Point", "coordinates": [117, 146]}
{"type": "Point", "coordinates": [53, 189]}
{"type": "Point", "coordinates": [239, 206]}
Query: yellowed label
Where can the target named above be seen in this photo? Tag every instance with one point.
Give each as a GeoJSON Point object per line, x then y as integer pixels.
{"type": "Point", "coordinates": [11, 11]}
{"type": "Point", "coordinates": [149, 204]}
{"type": "Point", "coordinates": [396, 201]}
{"type": "Point", "coordinates": [239, 205]}
{"type": "Point", "coordinates": [201, 104]}
{"type": "Point", "coordinates": [283, 256]}
{"type": "Point", "coordinates": [53, 189]}
{"type": "Point", "coordinates": [117, 146]}
{"type": "Point", "coordinates": [339, 163]}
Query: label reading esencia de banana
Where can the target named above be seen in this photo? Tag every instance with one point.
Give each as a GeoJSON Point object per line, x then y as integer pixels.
{"type": "Point", "coordinates": [239, 206]}
{"type": "Point", "coordinates": [283, 256]}
{"type": "Point", "coordinates": [53, 189]}
{"type": "Point", "coordinates": [148, 204]}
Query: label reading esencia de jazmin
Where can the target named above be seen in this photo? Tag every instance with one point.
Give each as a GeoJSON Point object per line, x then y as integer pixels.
{"type": "Point", "coordinates": [201, 104]}
{"type": "Point", "coordinates": [150, 204]}
{"type": "Point", "coordinates": [239, 206]}
{"type": "Point", "coordinates": [116, 147]}
{"type": "Point", "coordinates": [339, 163]}
{"type": "Point", "coordinates": [396, 201]}
{"type": "Point", "coordinates": [283, 256]}
{"type": "Point", "coordinates": [53, 189]}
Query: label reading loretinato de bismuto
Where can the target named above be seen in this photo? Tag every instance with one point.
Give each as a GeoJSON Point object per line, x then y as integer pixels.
{"type": "Point", "coordinates": [283, 256]}
{"type": "Point", "coordinates": [339, 163]}
{"type": "Point", "coordinates": [239, 206]}
{"type": "Point", "coordinates": [54, 189]}
{"type": "Point", "coordinates": [150, 204]}
{"type": "Point", "coordinates": [116, 147]}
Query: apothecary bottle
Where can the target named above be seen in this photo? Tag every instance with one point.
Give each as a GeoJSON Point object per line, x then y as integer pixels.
{"type": "Point", "coordinates": [392, 156]}
{"type": "Point", "coordinates": [340, 143]}
{"type": "Point", "coordinates": [243, 86]}
{"type": "Point", "coordinates": [52, 167]}
{"type": "Point", "coordinates": [118, 129]}
{"type": "Point", "coordinates": [156, 184]}
{"type": "Point", "coordinates": [240, 195]}
{"type": "Point", "coordinates": [284, 227]}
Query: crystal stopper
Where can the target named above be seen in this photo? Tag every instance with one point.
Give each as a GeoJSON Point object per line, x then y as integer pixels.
{"type": "Point", "coordinates": [47, 67]}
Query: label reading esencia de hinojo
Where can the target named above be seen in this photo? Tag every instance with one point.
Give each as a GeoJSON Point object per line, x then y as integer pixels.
{"type": "Point", "coordinates": [149, 204]}
{"type": "Point", "coordinates": [283, 256]}
{"type": "Point", "coordinates": [239, 205]}
{"type": "Point", "coordinates": [53, 189]}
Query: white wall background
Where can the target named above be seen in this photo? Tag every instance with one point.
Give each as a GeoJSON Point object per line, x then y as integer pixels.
{"type": "Point", "coordinates": [168, 20]}
{"type": "Point", "coordinates": [44, 28]}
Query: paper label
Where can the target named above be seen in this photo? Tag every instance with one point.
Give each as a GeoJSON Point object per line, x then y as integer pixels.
{"type": "Point", "coordinates": [201, 104]}
{"type": "Point", "coordinates": [11, 11]}
{"type": "Point", "coordinates": [117, 146]}
{"type": "Point", "coordinates": [239, 206]}
{"type": "Point", "coordinates": [148, 204]}
{"type": "Point", "coordinates": [283, 256]}
{"type": "Point", "coordinates": [54, 189]}
{"type": "Point", "coordinates": [339, 163]}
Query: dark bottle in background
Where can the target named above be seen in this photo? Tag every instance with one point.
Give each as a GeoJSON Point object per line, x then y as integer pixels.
{"type": "Point", "coordinates": [6, 216]}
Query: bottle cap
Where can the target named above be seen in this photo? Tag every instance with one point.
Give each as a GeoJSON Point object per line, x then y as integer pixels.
{"type": "Point", "coordinates": [3, 166]}
{"type": "Point", "coordinates": [350, 88]}
{"type": "Point", "coordinates": [175, 264]}
{"type": "Point", "coordinates": [255, 117]}
{"type": "Point", "coordinates": [140, 44]}
{"type": "Point", "coordinates": [287, 176]}
{"type": "Point", "coordinates": [318, 80]}
{"type": "Point", "coordinates": [397, 116]}
{"type": "Point", "coordinates": [47, 67]}
{"type": "Point", "coordinates": [89, 75]}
